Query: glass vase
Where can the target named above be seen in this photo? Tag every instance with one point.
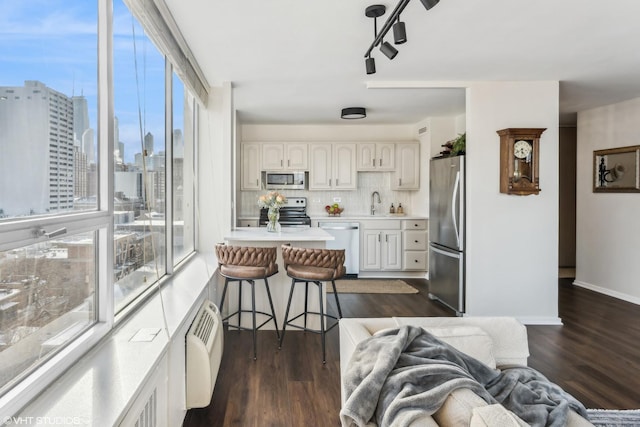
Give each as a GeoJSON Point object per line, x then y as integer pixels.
{"type": "Point", "coordinates": [273, 216]}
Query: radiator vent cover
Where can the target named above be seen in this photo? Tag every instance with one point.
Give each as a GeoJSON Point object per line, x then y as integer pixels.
{"type": "Point", "coordinates": [205, 343]}
{"type": "Point", "coordinates": [147, 417]}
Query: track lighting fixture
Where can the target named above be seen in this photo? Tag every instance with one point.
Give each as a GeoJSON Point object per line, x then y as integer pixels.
{"type": "Point", "coordinates": [352, 113]}
{"type": "Point", "coordinates": [374, 11]}
{"type": "Point", "coordinates": [388, 50]}
{"type": "Point", "coordinates": [370, 63]}
{"type": "Point", "coordinates": [399, 30]}
{"type": "Point", "coordinates": [428, 4]}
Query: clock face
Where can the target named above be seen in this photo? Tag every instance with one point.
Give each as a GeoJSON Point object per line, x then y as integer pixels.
{"type": "Point", "coordinates": [521, 149]}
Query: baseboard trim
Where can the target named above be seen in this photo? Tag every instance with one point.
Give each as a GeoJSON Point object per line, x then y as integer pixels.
{"type": "Point", "coordinates": [609, 292]}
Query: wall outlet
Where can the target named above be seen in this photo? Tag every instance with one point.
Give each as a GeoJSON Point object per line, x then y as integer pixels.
{"type": "Point", "coordinates": [337, 199]}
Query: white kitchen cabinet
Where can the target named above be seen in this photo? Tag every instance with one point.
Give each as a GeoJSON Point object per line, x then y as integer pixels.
{"type": "Point", "coordinates": [272, 156]}
{"type": "Point", "coordinates": [285, 156]}
{"type": "Point", "coordinates": [376, 156]}
{"type": "Point", "coordinates": [415, 245]}
{"type": "Point", "coordinates": [407, 172]}
{"type": "Point", "coordinates": [297, 156]}
{"type": "Point", "coordinates": [381, 246]}
{"type": "Point", "coordinates": [332, 166]}
{"type": "Point", "coordinates": [250, 166]}
{"type": "Point", "coordinates": [248, 222]}
{"type": "Point", "coordinates": [344, 167]}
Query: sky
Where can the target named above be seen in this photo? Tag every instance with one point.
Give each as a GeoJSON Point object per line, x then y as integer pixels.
{"type": "Point", "coordinates": [55, 42]}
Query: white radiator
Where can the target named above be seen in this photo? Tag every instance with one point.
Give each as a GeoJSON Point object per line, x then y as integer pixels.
{"type": "Point", "coordinates": [205, 342]}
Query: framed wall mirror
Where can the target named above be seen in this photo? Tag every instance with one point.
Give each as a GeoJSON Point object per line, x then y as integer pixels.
{"type": "Point", "coordinates": [616, 170]}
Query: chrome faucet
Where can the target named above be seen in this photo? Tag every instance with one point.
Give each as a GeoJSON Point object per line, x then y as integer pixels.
{"type": "Point", "coordinates": [373, 208]}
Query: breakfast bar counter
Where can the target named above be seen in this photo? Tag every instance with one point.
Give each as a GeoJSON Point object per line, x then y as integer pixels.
{"type": "Point", "coordinates": [287, 235]}
{"type": "Point", "coordinates": [279, 284]}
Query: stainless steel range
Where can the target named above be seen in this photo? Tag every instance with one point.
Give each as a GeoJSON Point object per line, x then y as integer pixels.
{"type": "Point", "coordinates": [293, 214]}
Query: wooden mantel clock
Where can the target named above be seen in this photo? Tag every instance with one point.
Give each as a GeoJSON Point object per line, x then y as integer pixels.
{"type": "Point", "coordinates": [519, 157]}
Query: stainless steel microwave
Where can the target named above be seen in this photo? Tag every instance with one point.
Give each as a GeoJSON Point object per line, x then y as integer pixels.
{"type": "Point", "coordinates": [277, 180]}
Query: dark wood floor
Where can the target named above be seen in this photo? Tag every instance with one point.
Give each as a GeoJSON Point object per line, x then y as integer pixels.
{"type": "Point", "coordinates": [595, 356]}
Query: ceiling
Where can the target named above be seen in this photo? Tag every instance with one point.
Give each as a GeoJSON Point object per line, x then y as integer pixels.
{"type": "Point", "coordinates": [302, 61]}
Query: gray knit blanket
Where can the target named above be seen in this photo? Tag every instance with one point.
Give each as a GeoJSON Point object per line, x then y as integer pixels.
{"type": "Point", "coordinates": [401, 374]}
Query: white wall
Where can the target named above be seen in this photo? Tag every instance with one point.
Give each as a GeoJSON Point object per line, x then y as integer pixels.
{"type": "Point", "coordinates": [215, 172]}
{"type": "Point", "coordinates": [607, 224]}
{"type": "Point", "coordinates": [512, 241]}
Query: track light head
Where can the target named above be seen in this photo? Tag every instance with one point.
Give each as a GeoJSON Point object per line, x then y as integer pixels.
{"type": "Point", "coordinates": [399, 32]}
{"type": "Point", "coordinates": [370, 63]}
{"type": "Point", "coordinates": [428, 4]}
{"type": "Point", "coordinates": [388, 50]}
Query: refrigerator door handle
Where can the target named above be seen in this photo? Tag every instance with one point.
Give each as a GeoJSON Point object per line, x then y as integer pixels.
{"type": "Point", "coordinates": [454, 206]}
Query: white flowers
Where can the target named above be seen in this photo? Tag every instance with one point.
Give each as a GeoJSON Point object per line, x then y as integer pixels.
{"type": "Point", "coordinates": [272, 199]}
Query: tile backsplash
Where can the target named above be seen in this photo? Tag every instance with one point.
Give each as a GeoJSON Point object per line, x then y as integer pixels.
{"type": "Point", "coordinates": [355, 202]}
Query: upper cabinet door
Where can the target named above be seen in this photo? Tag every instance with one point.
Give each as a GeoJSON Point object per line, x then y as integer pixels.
{"type": "Point", "coordinates": [367, 156]}
{"type": "Point", "coordinates": [320, 166]}
{"type": "Point", "coordinates": [344, 167]}
{"type": "Point", "coordinates": [376, 156]}
{"type": "Point", "coordinates": [297, 156]}
{"type": "Point", "coordinates": [407, 175]}
{"type": "Point", "coordinates": [250, 166]}
{"type": "Point", "coordinates": [386, 156]}
{"type": "Point", "coordinates": [273, 157]}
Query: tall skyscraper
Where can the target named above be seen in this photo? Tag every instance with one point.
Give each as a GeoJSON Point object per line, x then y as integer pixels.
{"type": "Point", "coordinates": [80, 119]}
{"type": "Point", "coordinates": [148, 143]}
{"type": "Point", "coordinates": [37, 161]}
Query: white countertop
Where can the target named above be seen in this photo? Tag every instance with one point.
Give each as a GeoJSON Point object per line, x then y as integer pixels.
{"type": "Point", "coordinates": [363, 217]}
{"type": "Point", "coordinates": [351, 217]}
{"type": "Point", "coordinates": [288, 234]}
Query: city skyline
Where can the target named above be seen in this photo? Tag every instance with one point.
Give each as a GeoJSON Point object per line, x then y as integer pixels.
{"type": "Point", "coordinates": [57, 46]}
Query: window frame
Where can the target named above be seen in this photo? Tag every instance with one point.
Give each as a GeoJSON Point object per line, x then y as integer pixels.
{"type": "Point", "coordinates": [19, 232]}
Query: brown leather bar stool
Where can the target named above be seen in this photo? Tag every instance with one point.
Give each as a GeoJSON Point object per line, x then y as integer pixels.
{"type": "Point", "coordinates": [248, 264]}
{"type": "Point", "coordinates": [305, 265]}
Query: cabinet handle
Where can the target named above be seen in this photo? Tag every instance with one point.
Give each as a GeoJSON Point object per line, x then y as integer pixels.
{"type": "Point", "coordinates": [415, 241]}
{"type": "Point", "coordinates": [399, 182]}
{"type": "Point", "coordinates": [380, 162]}
{"type": "Point", "coordinates": [336, 182]}
{"type": "Point", "coordinates": [415, 260]}
{"type": "Point", "coordinates": [280, 162]}
{"type": "Point", "coordinates": [386, 238]}
{"type": "Point", "coordinates": [379, 236]}
{"type": "Point", "coordinates": [257, 183]}
{"type": "Point", "coordinates": [288, 162]}
{"type": "Point", "coordinates": [415, 225]}
{"type": "Point", "coordinates": [329, 182]}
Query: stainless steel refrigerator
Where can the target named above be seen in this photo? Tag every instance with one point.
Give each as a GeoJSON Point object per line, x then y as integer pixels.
{"type": "Point", "coordinates": [446, 232]}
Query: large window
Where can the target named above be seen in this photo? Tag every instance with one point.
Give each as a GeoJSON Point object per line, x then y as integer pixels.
{"type": "Point", "coordinates": [63, 272]}
{"type": "Point", "coordinates": [140, 169]}
{"type": "Point", "coordinates": [48, 188]}
{"type": "Point", "coordinates": [183, 179]}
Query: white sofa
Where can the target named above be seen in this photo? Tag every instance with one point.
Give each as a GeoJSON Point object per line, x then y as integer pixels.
{"type": "Point", "coordinates": [496, 341]}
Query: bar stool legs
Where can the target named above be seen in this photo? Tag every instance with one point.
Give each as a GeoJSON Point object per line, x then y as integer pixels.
{"type": "Point", "coordinates": [321, 313]}
{"type": "Point", "coordinates": [253, 311]}
{"type": "Point", "coordinates": [335, 295]}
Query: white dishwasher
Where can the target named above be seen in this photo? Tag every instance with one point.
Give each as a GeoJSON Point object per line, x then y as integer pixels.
{"type": "Point", "coordinates": [347, 237]}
